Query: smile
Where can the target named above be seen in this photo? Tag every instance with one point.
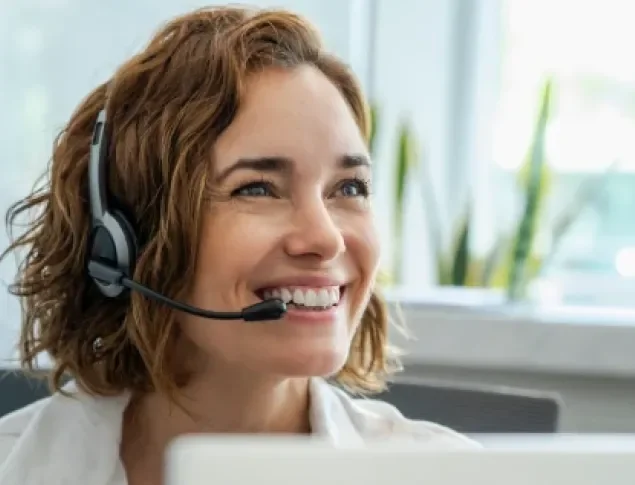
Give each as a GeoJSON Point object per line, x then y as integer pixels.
{"type": "Point", "coordinates": [311, 298]}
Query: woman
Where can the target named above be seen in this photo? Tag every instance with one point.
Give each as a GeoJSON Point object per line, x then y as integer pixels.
{"type": "Point", "coordinates": [236, 149]}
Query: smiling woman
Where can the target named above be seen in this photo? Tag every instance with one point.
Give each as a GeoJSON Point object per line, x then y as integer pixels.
{"type": "Point", "coordinates": [289, 170]}
{"type": "Point", "coordinates": [238, 155]}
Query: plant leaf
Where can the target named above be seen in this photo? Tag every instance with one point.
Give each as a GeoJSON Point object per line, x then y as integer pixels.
{"type": "Point", "coordinates": [405, 153]}
{"type": "Point", "coordinates": [527, 225]}
{"type": "Point", "coordinates": [461, 258]}
{"type": "Point", "coordinates": [493, 260]}
{"type": "Point", "coordinates": [372, 135]}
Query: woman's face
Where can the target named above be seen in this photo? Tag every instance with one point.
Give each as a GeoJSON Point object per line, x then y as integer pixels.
{"type": "Point", "coordinates": [289, 218]}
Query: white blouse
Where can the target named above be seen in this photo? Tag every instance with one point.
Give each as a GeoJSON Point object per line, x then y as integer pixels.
{"type": "Point", "coordinates": [75, 441]}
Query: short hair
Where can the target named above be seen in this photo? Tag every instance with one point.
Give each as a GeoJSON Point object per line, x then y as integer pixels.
{"type": "Point", "coordinates": [164, 124]}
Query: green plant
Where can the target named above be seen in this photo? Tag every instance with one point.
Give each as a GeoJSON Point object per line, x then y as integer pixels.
{"type": "Point", "coordinates": [513, 261]}
{"type": "Point", "coordinates": [372, 135]}
{"type": "Point", "coordinates": [535, 191]}
{"type": "Point", "coordinates": [407, 157]}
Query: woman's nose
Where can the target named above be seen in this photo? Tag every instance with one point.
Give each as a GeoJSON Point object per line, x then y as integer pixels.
{"type": "Point", "coordinates": [315, 233]}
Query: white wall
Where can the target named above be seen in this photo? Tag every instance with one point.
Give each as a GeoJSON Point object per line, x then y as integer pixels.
{"type": "Point", "coordinates": [412, 78]}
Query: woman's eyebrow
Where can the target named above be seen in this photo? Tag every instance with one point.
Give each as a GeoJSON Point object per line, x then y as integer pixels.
{"type": "Point", "coordinates": [258, 164]}
{"type": "Point", "coordinates": [284, 164]}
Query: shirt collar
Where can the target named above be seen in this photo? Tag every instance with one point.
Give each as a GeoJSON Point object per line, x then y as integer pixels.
{"type": "Point", "coordinates": [75, 440]}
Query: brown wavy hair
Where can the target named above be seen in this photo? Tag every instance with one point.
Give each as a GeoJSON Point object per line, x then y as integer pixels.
{"type": "Point", "coordinates": [167, 105]}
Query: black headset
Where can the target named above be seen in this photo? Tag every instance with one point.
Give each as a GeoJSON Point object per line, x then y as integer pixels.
{"type": "Point", "coordinates": [113, 250]}
{"type": "Point", "coordinates": [113, 242]}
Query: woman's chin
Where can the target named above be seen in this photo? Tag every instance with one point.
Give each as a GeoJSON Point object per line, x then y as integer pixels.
{"type": "Point", "coordinates": [307, 363]}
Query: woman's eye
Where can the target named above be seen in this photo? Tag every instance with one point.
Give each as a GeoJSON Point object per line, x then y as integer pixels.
{"type": "Point", "coordinates": [354, 188]}
{"type": "Point", "coordinates": [254, 189]}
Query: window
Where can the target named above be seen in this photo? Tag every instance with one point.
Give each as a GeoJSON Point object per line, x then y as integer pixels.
{"type": "Point", "coordinates": [587, 48]}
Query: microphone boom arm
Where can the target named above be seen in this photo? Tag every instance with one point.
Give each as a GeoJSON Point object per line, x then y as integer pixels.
{"type": "Point", "coordinates": [272, 309]}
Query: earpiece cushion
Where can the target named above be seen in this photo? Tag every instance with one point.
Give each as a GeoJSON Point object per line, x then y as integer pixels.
{"type": "Point", "coordinates": [131, 239]}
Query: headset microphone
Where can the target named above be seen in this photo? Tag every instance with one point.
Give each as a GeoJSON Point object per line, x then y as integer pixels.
{"type": "Point", "coordinates": [113, 246]}
{"type": "Point", "coordinates": [264, 310]}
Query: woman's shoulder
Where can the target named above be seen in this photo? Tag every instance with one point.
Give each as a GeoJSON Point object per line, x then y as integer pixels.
{"type": "Point", "coordinates": [376, 419]}
{"type": "Point", "coordinates": [387, 416]}
{"type": "Point", "coordinates": [39, 439]}
{"type": "Point", "coordinates": [14, 424]}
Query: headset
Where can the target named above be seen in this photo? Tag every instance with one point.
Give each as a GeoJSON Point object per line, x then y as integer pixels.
{"type": "Point", "coordinates": [113, 245]}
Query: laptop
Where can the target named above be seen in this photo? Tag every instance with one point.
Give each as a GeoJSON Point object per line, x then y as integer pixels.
{"type": "Point", "coordinates": [202, 460]}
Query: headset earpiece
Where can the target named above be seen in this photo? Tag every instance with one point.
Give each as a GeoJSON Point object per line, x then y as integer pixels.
{"type": "Point", "coordinates": [127, 245]}
{"type": "Point", "coordinates": [113, 241]}
{"type": "Point", "coordinates": [113, 244]}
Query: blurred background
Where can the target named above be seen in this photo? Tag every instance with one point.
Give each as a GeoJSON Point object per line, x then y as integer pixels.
{"type": "Point", "coordinates": [504, 147]}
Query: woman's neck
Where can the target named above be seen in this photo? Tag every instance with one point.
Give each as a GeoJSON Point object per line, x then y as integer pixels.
{"type": "Point", "coordinates": [152, 421]}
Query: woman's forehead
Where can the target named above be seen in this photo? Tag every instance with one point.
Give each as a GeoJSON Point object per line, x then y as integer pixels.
{"type": "Point", "coordinates": [297, 114]}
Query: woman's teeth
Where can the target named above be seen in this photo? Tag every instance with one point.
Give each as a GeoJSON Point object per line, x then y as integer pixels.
{"type": "Point", "coordinates": [324, 297]}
